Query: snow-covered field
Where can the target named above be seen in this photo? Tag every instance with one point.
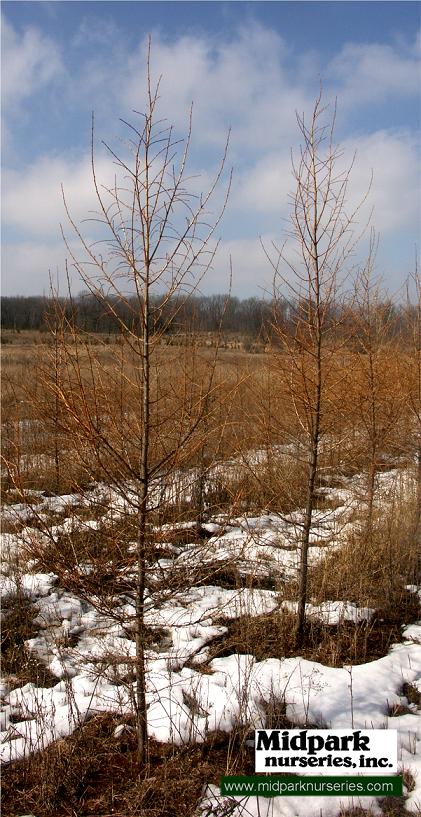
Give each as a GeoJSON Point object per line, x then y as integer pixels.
{"type": "Point", "coordinates": [91, 652]}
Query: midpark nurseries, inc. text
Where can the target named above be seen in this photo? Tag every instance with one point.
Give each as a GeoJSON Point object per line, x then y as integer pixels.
{"type": "Point", "coordinates": [336, 750]}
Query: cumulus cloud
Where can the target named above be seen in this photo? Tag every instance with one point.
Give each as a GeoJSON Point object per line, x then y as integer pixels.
{"type": "Point", "coordinates": [249, 80]}
{"type": "Point", "coordinates": [30, 60]}
{"type": "Point", "coordinates": [33, 208]}
{"type": "Point", "coordinates": [33, 204]}
{"type": "Point", "coordinates": [251, 271]}
{"type": "Point", "coordinates": [241, 82]}
{"type": "Point", "coordinates": [265, 186]}
{"type": "Point", "coordinates": [394, 195]}
{"type": "Point", "coordinates": [374, 72]}
{"type": "Point", "coordinates": [27, 266]}
{"type": "Point", "coordinates": [33, 200]}
{"type": "Point", "coordinates": [390, 158]}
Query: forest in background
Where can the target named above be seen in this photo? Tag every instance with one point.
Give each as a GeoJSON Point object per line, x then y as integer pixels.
{"type": "Point", "coordinates": [253, 317]}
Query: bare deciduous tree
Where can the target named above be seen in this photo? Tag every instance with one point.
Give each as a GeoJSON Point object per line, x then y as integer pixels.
{"type": "Point", "coordinates": [140, 417]}
{"type": "Point", "coordinates": [412, 383]}
{"type": "Point", "coordinates": [375, 392]}
{"type": "Point", "coordinates": [324, 239]}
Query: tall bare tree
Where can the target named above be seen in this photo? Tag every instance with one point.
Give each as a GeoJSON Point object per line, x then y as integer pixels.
{"type": "Point", "coordinates": [322, 231]}
{"type": "Point", "coordinates": [375, 388]}
{"type": "Point", "coordinates": [137, 418]}
{"type": "Point", "coordinates": [412, 382]}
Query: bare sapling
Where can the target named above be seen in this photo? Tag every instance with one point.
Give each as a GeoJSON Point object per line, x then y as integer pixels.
{"type": "Point", "coordinates": [323, 237]}
{"type": "Point", "coordinates": [375, 388]}
{"type": "Point", "coordinates": [416, 400]}
{"type": "Point", "coordinates": [138, 416]}
{"type": "Point", "coordinates": [413, 385]}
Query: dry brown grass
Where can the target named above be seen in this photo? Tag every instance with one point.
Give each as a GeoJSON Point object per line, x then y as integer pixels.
{"type": "Point", "coordinates": [252, 409]}
{"type": "Point", "coordinates": [373, 571]}
{"type": "Point", "coordinates": [31, 432]}
{"type": "Point", "coordinates": [61, 783]}
{"type": "Point", "coordinates": [272, 636]}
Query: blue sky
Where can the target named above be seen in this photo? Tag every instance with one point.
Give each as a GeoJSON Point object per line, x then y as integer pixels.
{"type": "Point", "coordinates": [248, 66]}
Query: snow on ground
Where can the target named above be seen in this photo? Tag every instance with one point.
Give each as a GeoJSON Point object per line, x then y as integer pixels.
{"type": "Point", "coordinates": [92, 654]}
{"type": "Point", "coordinates": [333, 612]}
{"type": "Point", "coordinates": [330, 698]}
{"type": "Point", "coordinates": [267, 546]}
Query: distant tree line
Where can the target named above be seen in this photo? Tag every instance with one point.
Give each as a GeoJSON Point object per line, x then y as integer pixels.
{"type": "Point", "coordinates": [204, 313]}
{"type": "Point", "coordinates": [201, 313]}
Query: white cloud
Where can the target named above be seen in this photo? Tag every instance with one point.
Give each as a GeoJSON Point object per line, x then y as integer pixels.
{"type": "Point", "coordinates": [245, 81]}
{"type": "Point", "coordinates": [33, 207]}
{"type": "Point", "coordinates": [391, 157]}
{"type": "Point", "coordinates": [30, 61]}
{"type": "Point", "coordinates": [374, 72]}
{"type": "Point", "coordinates": [394, 196]}
{"type": "Point", "coordinates": [251, 271]}
{"type": "Point", "coordinates": [33, 204]}
{"type": "Point", "coordinates": [27, 266]}
{"type": "Point", "coordinates": [249, 79]}
{"type": "Point", "coordinates": [32, 198]}
{"type": "Point", "coordinates": [239, 83]}
{"type": "Point", "coordinates": [265, 187]}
